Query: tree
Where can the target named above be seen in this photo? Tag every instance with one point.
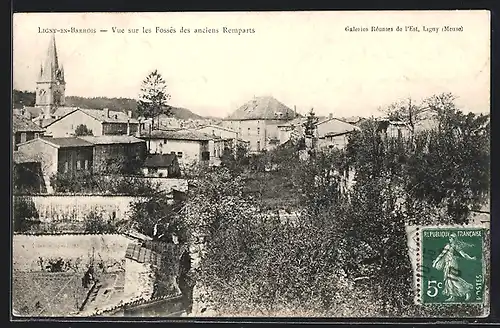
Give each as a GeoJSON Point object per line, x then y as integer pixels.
{"type": "Point", "coordinates": [153, 97]}
{"type": "Point", "coordinates": [408, 111]}
{"type": "Point", "coordinates": [310, 124]}
{"type": "Point", "coordinates": [83, 130]}
{"type": "Point", "coordinates": [25, 214]}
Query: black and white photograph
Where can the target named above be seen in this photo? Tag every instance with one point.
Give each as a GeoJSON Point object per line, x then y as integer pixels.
{"type": "Point", "coordinates": [331, 164]}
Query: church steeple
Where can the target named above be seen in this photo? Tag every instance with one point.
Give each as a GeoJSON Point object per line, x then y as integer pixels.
{"type": "Point", "coordinates": [51, 84]}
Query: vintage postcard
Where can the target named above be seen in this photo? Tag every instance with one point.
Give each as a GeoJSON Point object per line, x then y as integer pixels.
{"type": "Point", "coordinates": [251, 164]}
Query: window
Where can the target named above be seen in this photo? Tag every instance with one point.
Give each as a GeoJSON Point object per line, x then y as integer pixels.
{"type": "Point", "coordinates": [179, 154]}
{"type": "Point", "coordinates": [258, 131]}
{"type": "Point", "coordinates": [86, 164]}
{"type": "Point", "coordinates": [248, 131]}
{"type": "Point", "coordinates": [37, 135]}
{"type": "Point", "coordinates": [23, 136]}
{"type": "Point", "coordinates": [258, 145]}
{"type": "Point", "coordinates": [205, 156]}
{"type": "Point", "coordinates": [78, 165]}
{"type": "Point", "coordinates": [66, 167]}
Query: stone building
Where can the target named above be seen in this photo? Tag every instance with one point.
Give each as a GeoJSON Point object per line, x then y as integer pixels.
{"type": "Point", "coordinates": [257, 121]}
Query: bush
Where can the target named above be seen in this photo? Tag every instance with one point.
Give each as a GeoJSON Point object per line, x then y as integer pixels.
{"type": "Point", "coordinates": [96, 223]}
{"type": "Point", "coordinates": [25, 214]}
{"type": "Point", "coordinates": [86, 182]}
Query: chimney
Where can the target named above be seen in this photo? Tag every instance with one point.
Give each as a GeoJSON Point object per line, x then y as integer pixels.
{"type": "Point", "coordinates": [106, 112]}
{"type": "Point", "coordinates": [129, 113]}
{"type": "Point", "coordinates": [330, 116]}
{"type": "Point", "coordinates": [128, 127]}
{"type": "Point", "coordinates": [295, 110]}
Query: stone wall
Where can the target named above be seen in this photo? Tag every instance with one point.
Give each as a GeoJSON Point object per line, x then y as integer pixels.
{"type": "Point", "coordinates": [76, 207]}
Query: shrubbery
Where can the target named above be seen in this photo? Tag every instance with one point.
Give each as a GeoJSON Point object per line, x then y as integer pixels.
{"type": "Point", "coordinates": [96, 222]}
{"type": "Point", "coordinates": [348, 246]}
{"type": "Point", "coordinates": [25, 214]}
{"type": "Point", "coordinates": [85, 182]}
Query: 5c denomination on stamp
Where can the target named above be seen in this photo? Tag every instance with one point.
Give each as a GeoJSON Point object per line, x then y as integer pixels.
{"type": "Point", "coordinates": [452, 265]}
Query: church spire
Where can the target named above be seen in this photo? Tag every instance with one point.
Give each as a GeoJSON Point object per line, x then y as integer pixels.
{"type": "Point", "coordinates": [51, 65]}
{"type": "Point", "coordinates": [50, 85]}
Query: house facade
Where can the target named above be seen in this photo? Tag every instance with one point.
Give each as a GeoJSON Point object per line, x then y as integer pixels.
{"type": "Point", "coordinates": [100, 122]}
{"type": "Point", "coordinates": [257, 122]}
{"type": "Point", "coordinates": [112, 152]}
{"type": "Point", "coordinates": [190, 147]}
{"type": "Point", "coordinates": [24, 130]}
{"type": "Point", "coordinates": [162, 166]}
{"type": "Point", "coordinates": [63, 155]}
{"type": "Point", "coordinates": [333, 133]}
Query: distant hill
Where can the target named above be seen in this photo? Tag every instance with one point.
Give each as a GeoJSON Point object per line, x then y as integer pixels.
{"type": "Point", "coordinates": [27, 98]}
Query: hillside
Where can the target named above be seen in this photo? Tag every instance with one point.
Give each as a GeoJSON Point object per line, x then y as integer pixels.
{"type": "Point", "coordinates": [27, 98]}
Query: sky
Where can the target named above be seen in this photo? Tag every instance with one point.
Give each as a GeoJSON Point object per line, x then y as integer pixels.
{"type": "Point", "coordinates": [303, 59]}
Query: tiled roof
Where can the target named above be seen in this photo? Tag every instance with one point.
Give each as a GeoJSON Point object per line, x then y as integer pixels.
{"type": "Point", "coordinates": [47, 293]}
{"type": "Point", "coordinates": [68, 142]}
{"type": "Point", "coordinates": [142, 254]}
{"type": "Point", "coordinates": [176, 135]}
{"type": "Point", "coordinates": [216, 127]}
{"type": "Point", "coordinates": [21, 124]}
{"type": "Point", "coordinates": [262, 108]}
{"type": "Point", "coordinates": [108, 140]}
{"type": "Point", "coordinates": [62, 111]}
{"type": "Point", "coordinates": [152, 251]}
{"type": "Point", "coordinates": [113, 117]}
{"type": "Point", "coordinates": [33, 111]}
{"type": "Point", "coordinates": [295, 122]}
{"type": "Point", "coordinates": [333, 127]}
{"type": "Point", "coordinates": [45, 122]}
{"type": "Point", "coordinates": [157, 160]}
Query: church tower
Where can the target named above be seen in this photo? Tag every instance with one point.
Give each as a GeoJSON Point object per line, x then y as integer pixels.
{"type": "Point", "coordinates": [50, 87]}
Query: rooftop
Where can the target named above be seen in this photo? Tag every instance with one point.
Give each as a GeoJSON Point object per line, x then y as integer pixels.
{"type": "Point", "coordinates": [22, 124]}
{"type": "Point", "coordinates": [47, 293]}
{"type": "Point", "coordinates": [111, 139]}
{"type": "Point", "coordinates": [262, 108]}
{"type": "Point", "coordinates": [68, 142]}
{"type": "Point", "coordinates": [113, 117]}
{"type": "Point", "coordinates": [176, 135]}
{"type": "Point", "coordinates": [215, 127]}
{"type": "Point", "coordinates": [334, 126]}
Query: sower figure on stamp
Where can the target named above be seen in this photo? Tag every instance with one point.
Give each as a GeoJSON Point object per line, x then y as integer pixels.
{"type": "Point", "coordinates": [447, 261]}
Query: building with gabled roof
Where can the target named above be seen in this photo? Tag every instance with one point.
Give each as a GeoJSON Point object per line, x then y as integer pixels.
{"type": "Point", "coordinates": [117, 153]}
{"type": "Point", "coordinates": [66, 155]}
{"type": "Point", "coordinates": [162, 165]}
{"type": "Point", "coordinates": [191, 147]}
{"type": "Point", "coordinates": [333, 133]}
{"type": "Point", "coordinates": [100, 122]}
{"type": "Point", "coordinates": [257, 121]}
{"type": "Point", "coordinates": [24, 130]}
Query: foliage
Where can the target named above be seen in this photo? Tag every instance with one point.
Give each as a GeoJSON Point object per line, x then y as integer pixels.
{"type": "Point", "coordinates": [95, 222]}
{"type": "Point", "coordinates": [86, 182]}
{"type": "Point", "coordinates": [348, 243]}
{"type": "Point", "coordinates": [310, 124]}
{"type": "Point", "coordinates": [235, 160]}
{"type": "Point", "coordinates": [25, 214]}
{"type": "Point", "coordinates": [83, 130]}
{"type": "Point", "coordinates": [158, 218]}
{"type": "Point", "coordinates": [154, 97]}
{"type": "Point", "coordinates": [124, 164]}
{"type": "Point", "coordinates": [27, 178]}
